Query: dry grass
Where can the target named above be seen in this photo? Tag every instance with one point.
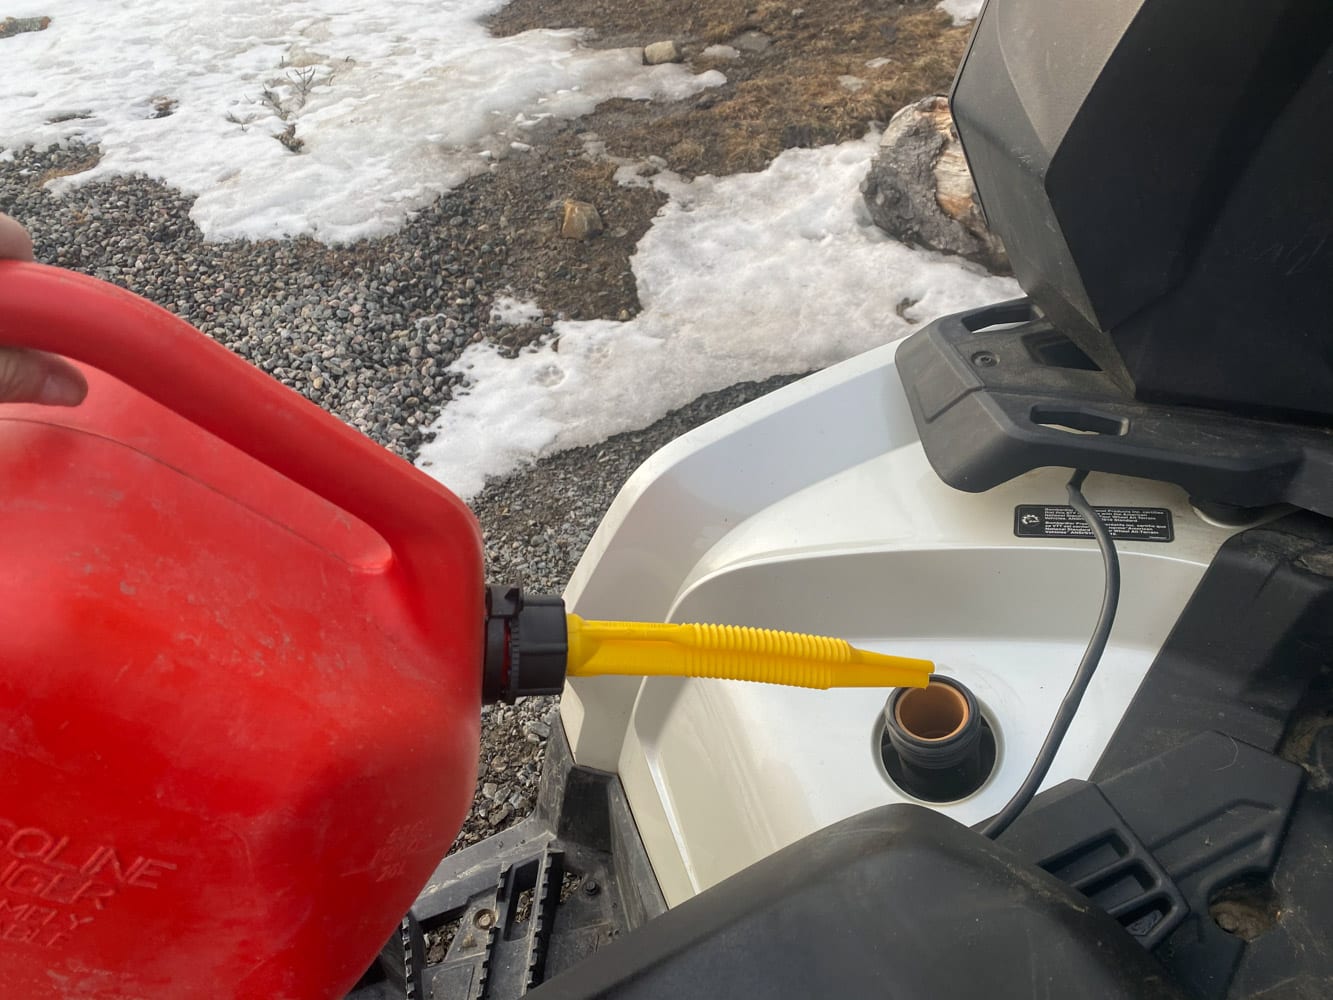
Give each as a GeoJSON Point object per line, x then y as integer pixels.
{"type": "Point", "coordinates": [799, 98]}
{"type": "Point", "coordinates": [789, 95]}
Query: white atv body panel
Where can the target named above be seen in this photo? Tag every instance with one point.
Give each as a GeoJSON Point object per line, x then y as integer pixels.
{"type": "Point", "coordinates": [815, 509]}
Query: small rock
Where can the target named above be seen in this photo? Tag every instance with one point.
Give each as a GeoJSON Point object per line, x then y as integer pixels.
{"type": "Point", "coordinates": [540, 728]}
{"type": "Point", "coordinates": [581, 220]}
{"type": "Point", "coordinates": [19, 25]}
{"type": "Point", "coordinates": [489, 789]}
{"type": "Point", "coordinates": [661, 52]}
{"type": "Point", "coordinates": [751, 41]}
{"type": "Point", "coordinates": [499, 816]}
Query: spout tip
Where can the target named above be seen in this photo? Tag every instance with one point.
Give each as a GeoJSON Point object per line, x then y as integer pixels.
{"type": "Point", "coordinates": [893, 671]}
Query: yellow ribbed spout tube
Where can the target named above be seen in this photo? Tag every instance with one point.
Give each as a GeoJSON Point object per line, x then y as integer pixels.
{"type": "Point", "coordinates": [731, 652]}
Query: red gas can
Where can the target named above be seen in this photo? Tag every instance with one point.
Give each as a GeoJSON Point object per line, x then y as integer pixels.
{"type": "Point", "coordinates": [240, 662]}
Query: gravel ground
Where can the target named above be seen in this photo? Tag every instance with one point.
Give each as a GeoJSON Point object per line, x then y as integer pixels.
{"type": "Point", "coordinates": [367, 331]}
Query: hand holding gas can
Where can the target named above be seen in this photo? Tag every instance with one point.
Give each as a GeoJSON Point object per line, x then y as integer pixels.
{"type": "Point", "coordinates": [33, 376]}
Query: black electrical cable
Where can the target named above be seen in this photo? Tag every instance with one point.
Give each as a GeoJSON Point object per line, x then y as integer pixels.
{"type": "Point", "coordinates": [998, 823]}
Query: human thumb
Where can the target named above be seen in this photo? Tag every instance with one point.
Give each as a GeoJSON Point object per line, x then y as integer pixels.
{"type": "Point", "coordinates": [34, 377]}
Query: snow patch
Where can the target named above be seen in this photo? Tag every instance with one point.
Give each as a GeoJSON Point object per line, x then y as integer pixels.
{"type": "Point", "coordinates": [720, 52]}
{"type": "Point", "coordinates": [509, 311]}
{"type": "Point", "coordinates": [387, 106]}
{"type": "Point", "coordinates": [740, 278]}
{"type": "Point", "coordinates": [962, 11]}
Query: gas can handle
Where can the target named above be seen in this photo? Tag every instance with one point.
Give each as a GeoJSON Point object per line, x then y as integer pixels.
{"type": "Point", "coordinates": [168, 360]}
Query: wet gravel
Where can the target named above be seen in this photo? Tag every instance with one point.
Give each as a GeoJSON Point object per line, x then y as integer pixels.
{"type": "Point", "coordinates": [367, 331]}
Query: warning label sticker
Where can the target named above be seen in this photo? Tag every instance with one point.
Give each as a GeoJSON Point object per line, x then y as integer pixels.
{"type": "Point", "coordinates": [1136, 524]}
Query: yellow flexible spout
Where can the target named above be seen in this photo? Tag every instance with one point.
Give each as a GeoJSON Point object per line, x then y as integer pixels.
{"type": "Point", "coordinates": [731, 652]}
